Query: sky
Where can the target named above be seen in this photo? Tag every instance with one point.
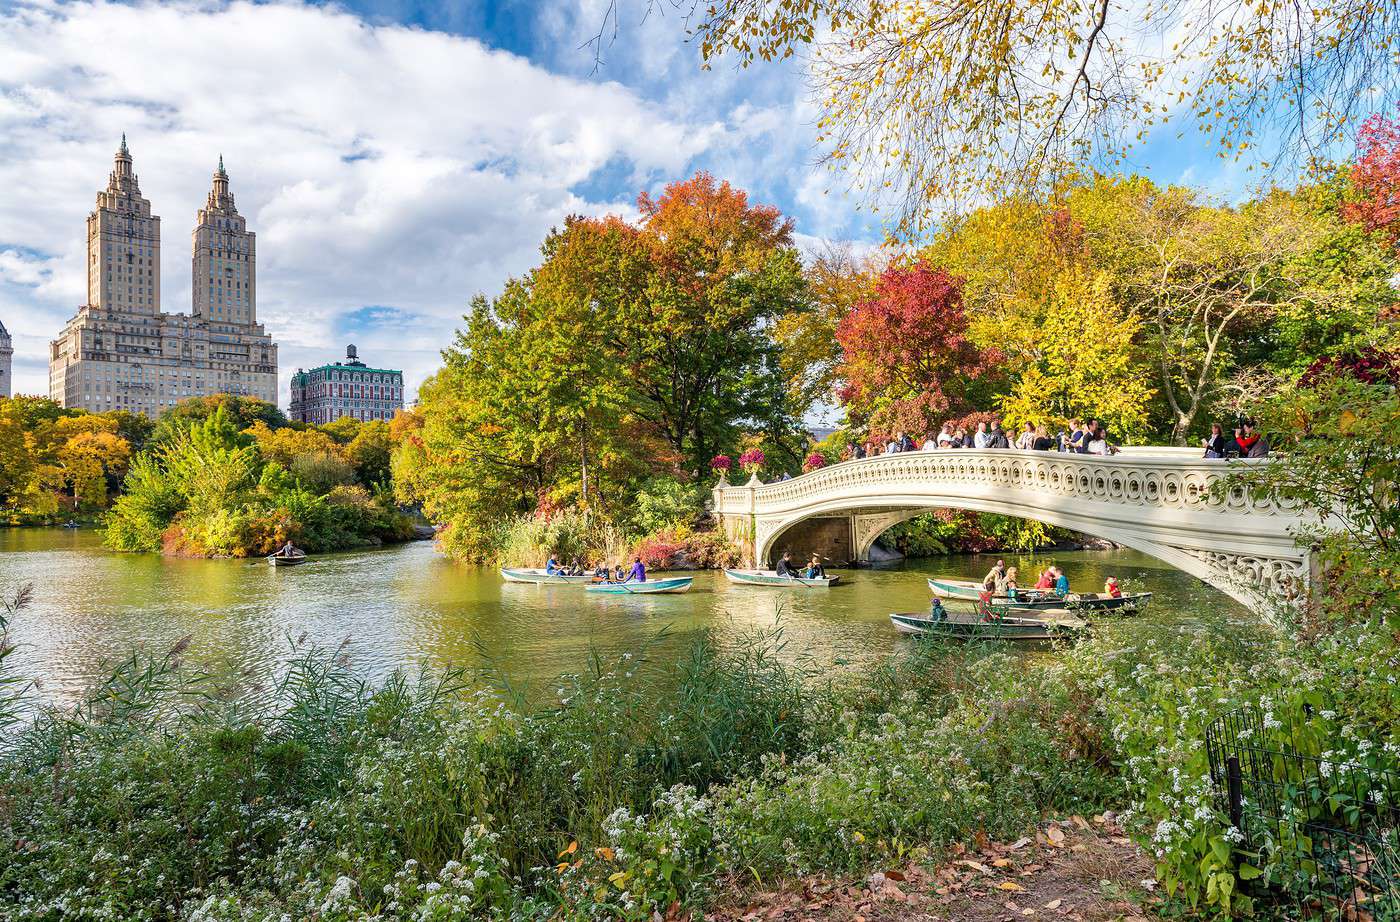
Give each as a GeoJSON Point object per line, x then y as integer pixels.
{"type": "Point", "coordinates": [395, 158]}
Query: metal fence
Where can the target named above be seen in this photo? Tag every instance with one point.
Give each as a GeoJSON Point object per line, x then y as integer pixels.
{"type": "Point", "coordinates": [1325, 831]}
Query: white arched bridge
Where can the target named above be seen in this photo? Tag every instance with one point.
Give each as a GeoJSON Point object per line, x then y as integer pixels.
{"type": "Point", "coordinates": [1162, 501]}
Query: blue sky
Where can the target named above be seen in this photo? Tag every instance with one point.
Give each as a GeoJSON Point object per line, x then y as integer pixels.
{"type": "Point", "coordinates": [394, 157]}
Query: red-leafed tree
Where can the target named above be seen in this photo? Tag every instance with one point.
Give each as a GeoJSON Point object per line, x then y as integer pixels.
{"type": "Point", "coordinates": [907, 359]}
{"type": "Point", "coordinates": [1376, 178]}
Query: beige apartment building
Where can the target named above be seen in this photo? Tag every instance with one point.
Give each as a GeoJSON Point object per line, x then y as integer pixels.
{"type": "Point", "coordinates": [120, 352]}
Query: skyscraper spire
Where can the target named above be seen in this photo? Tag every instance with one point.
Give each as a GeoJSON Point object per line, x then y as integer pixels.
{"type": "Point", "coordinates": [221, 165]}
{"type": "Point", "coordinates": [123, 149]}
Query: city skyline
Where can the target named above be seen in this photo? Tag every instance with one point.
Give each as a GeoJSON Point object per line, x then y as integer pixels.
{"type": "Point", "coordinates": [466, 136]}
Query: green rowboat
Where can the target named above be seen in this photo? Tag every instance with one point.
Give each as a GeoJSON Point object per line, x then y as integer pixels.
{"type": "Point", "coordinates": [972, 626]}
{"type": "Point", "coordinates": [771, 578]}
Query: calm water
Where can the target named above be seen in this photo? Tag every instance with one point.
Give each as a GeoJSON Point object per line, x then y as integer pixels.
{"type": "Point", "coordinates": [407, 605]}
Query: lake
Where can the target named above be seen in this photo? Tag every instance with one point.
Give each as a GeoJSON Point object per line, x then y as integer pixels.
{"type": "Point", "coordinates": [407, 606]}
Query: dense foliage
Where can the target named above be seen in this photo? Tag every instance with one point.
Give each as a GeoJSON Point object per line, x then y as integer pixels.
{"type": "Point", "coordinates": [631, 351]}
{"type": "Point", "coordinates": [208, 487]}
{"type": "Point", "coordinates": [57, 463]}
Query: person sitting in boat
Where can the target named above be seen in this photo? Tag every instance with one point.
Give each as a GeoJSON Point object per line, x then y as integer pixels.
{"type": "Point", "coordinates": [785, 566]}
{"type": "Point", "coordinates": [936, 611]}
{"type": "Point", "coordinates": [1061, 583]}
{"type": "Point", "coordinates": [602, 574]}
{"type": "Point", "coordinates": [287, 550]}
{"type": "Point", "coordinates": [815, 570]}
{"type": "Point", "coordinates": [618, 575]}
{"type": "Point", "coordinates": [995, 575]}
{"type": "Point", "coordinates": [638, 573]}
{"type": "Point", "coordinates": [552, 567]}
{"type": "Point", "coordinates": [1110, 588]}
{"type": "Point", "coordinates": [1047, 579]}
{"type": "Point", "coordinates": [1008, 585]}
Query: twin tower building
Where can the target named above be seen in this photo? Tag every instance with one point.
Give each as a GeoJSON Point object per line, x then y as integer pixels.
{"type": "Point", "coordinates": [120, 352]}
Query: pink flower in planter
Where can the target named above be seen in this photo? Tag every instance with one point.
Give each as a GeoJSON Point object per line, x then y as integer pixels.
{"type": "Point", "coordinates": [814, 461]}
{"type": "Point", "coordinates": [752, 460]}
{"type": "Point", "coordinates": [721, 464]}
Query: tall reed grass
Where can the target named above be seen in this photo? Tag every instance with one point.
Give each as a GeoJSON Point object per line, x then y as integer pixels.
{"type": "Point", "coordinates": [617, 792]}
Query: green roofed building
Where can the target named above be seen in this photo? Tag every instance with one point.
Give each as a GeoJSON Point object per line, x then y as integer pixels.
{"type": "Point", "coordinates": [348, 388]}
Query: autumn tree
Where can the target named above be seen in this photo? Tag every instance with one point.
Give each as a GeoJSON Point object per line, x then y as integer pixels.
{"type": "Point", "coordinates": [1084, 362]}
{"type": "Point", "coordinates": [720, 273]}
{"type": "Point", "coordinates": [927, 105]}
{"type": "Point", "coordinates": [810, 357]}
{"type": "Point", "coordinates": [1212, 274]}
{"type": "Point", "coordinates": [907, 359]}
{"type": "Point", "coordinates": [1375, 178]}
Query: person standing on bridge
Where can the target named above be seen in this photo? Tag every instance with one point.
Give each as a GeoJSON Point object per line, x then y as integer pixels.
{"type": "Point", "coordinates": [980, 440]}
{"type": "Point", "coordinates": [997, 437]}
{"type": "Point", "coordinates": [905, 442]}
{"type": "Point", "coordinates": [945, 438]}
{"type": "Point", "coordinates": [1026, 440]}
{"type": "Point", "coordinates": [1251, 443]}
{"type": "Point", "coordinates": [1215, 445]}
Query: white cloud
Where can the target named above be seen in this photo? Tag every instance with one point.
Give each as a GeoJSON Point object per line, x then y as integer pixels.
{"type": "Point", "coordinates": [378, 165]}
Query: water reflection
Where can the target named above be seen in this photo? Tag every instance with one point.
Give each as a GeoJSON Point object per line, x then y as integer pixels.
{"type": "Point", "coordinates": [407, 606]}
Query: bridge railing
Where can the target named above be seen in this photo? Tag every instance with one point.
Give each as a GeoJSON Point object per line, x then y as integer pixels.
{"type": "Point", "coordinates": [1174, 478]}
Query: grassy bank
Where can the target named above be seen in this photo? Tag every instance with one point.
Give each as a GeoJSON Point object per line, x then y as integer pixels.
{"type": "Point", "coordinates": [632, 788]}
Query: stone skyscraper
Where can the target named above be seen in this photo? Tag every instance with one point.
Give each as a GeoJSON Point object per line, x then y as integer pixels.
{"type": "Point", "coordinates": [121, 352]}
{"type": "Point", "coordinates": [6, 354]}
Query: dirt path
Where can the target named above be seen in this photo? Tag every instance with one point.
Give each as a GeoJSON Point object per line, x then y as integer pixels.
{"type": "Point", "coordinates": [1076, 869]}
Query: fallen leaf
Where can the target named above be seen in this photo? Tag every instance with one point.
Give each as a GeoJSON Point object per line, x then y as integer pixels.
{"type": "Point", "coordinates": [1020, 843]}
{"type": "Point", "coordinates": [1079, 821]}
{"type": "Point", "coordinates": [976, 866]}
{"type": "Point", "coordinates": [1055, 836]}
{"type": "Point", "coordinates": [1027, 912]}
{"type": "Point", "coordinates": [895, 875]}
{"type": "Point", "coordinates": [605, 853]}
{"type": "Point", "coordinates": [1053, 904]}
{"type": "Point", "coordinates": [573, 847]}
{"type": "Point", "coordinates": [1001, 862]}
{"type": "Point", "coordinates": [1008, 885]}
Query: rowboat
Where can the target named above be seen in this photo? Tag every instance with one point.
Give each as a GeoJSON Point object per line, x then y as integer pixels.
{"type": "Point", "coordinates": [1129, 604]}
{"type": "Point", "coordinates": [1033, 599]}
{"type": "Point", "coordinates": [649, 587]}
{"type": "Point", "coordinates": [972, 626]}
{"type": "Point", "coordinates": [539, 577]}
{"type": "Point", "coordinates": [771, 578]}
{"type": "Point", "coordinates": [286, 560]}
{"type": "Point", "coordinates": [970, 591]}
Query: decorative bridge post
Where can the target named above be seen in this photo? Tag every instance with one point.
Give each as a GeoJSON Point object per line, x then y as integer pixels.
{"type": "Point", "coordinates": [1161, 501]}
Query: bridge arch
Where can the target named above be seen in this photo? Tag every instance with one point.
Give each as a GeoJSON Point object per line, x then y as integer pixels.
{"type": "Point", "coordinates": [1163, 502]}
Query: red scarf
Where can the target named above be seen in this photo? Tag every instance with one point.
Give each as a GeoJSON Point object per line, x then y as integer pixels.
{"type": "Point", "coordinates": [1247, 442]}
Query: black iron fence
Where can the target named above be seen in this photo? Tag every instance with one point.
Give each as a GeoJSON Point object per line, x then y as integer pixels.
{"type": "Point", "coordinates": [1323, 830]}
